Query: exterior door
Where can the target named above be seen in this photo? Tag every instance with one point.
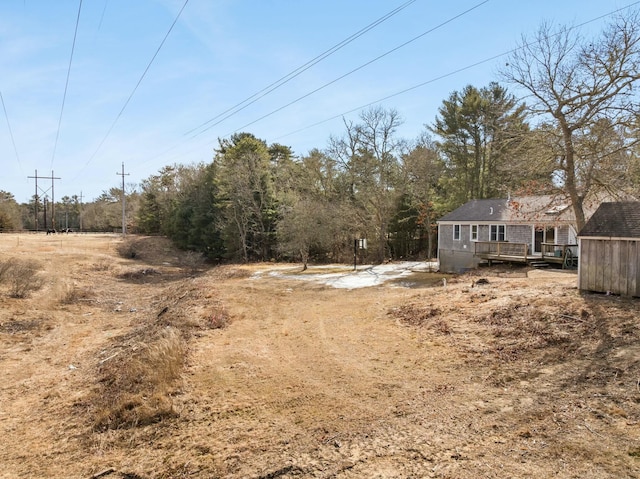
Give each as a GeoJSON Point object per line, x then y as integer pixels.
{"type": "Point", "coordinates": [543, 235]}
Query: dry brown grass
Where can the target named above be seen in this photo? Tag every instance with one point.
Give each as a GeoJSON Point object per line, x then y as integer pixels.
{"type": "Point", "coordinates": [128, 248]}
{"type": "Point", "coordinates": [21, 276]}
{"type": "Point", "coordinates": [72, 294]}
{"type": "Point", "coordinates": [137, 380]}
{"type": "Point", "coordinates": [521, 377]}
{"type": "Point", "coordinates": [218, 316]}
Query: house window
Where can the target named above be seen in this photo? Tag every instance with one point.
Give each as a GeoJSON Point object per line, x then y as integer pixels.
{"type": "Point", "coordinates": [474, 232]}
{"type": "Point", "coordinates": [456, 232]}
{"type": "Point", "coordinates": [497, 233]}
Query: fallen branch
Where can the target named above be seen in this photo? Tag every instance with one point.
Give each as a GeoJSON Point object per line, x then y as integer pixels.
{"type": "Point", "coordinates": [106, 472]}
{"type": "Point", "coordinates": [110, 357]}
{"type": "Point", "coordinates": [592, 431]}
{"type": "Point", "coordinates": [571, 317]}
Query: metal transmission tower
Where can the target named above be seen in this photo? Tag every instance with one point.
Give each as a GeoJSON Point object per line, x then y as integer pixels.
{"type": "Point", "coordinates": [53, 198]}
{"type": "Point", "coordinates": [124, 221]}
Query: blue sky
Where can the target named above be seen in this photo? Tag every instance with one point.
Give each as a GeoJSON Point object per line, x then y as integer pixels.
{"type": "Point", "coordinates": [219, 53]}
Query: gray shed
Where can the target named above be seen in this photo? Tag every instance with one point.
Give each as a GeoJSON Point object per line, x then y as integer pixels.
{"type": "Point", "coordinates": [609, 246]}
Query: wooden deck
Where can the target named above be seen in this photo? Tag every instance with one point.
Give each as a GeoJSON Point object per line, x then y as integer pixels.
{"type": "Point", "coordinates": [563, 254]}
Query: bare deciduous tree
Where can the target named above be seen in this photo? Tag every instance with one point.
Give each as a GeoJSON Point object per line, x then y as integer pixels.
{"type": "Point", "coordinates": [368, 155]}
{"type": "Point", "coordinates": [579, 86]}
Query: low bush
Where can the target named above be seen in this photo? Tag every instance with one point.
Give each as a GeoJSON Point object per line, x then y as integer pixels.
{"type": "Point", "coordinates": [21, 276]}
{"type": "Point", "coordinates": [127, 249]}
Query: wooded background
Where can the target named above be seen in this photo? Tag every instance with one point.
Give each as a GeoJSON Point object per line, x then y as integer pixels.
{"type": "Point", "coordinates": [573, 134]}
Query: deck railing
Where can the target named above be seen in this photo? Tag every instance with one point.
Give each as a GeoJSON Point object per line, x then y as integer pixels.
{"type": "Point", "coordinates": [565, 254]}
{"type": "Point", "coordinates": [501, 248]}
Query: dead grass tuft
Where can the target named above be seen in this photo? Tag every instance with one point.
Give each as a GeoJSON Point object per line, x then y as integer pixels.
{"type": "Point", "coordinates": [21, 276]}
{"type": "Point", "coordinates": [140, 274]}
{"type": "Point", "coordinates": [429, 317]}
{"type": "Point", "coordinates": [137, 381]}
{"type": "Point", "coordinates": [415, 315]}
{"type": "Point", "coordinates": [519, 327]}
{"type": "Point", "coordinates": [127, 248]}
{"type": "Point", "coordinates": [65, 292]}
{"type": "Point", "coordinates": [19, 326]}
{"type": "Point", "coordinates": [219, 317]}
{"type": "Point", "coordinates": [231, 272]}
{"type": "Point", "coordinates": [102, 265]}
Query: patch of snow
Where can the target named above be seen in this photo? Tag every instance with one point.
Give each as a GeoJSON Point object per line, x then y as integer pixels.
{"type": "Point", "coordinates": [364, 276]}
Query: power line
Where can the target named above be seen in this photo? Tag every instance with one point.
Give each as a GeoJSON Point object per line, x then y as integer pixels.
{"type": "Point", "coordinates": [290, 76]}
{"type": "Point", "coordinates": [451, 73]}
{"type": "Point", "coordinates": [104, 9]}
{"type": "Point", "coordinates": [419, 85]}
{"type": "Point", "coordinates": [361, 66]}
{"type": "Point", "coordinates": [4, 108]}
{"type": "Point", "coordinates": [414, 87]}
{"type": "Point", "coordinates": [53, 199]}
{"type": "Point", "coordinates": [66, 85]}
{"type": "Point", "coordinates": [126, 103]}
{"type": "Point", "coordinates": [298, 71]}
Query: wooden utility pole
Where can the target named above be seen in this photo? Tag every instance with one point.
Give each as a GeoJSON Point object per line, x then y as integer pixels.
{"type": "Point", "coordinates": [80, 219]}
{"type": "Point", "coordinates": [124, 221]}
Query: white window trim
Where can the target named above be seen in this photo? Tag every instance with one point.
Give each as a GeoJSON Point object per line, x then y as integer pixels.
{"type": "Point", "coordinates": [459, 236]}
{"type": "Point", "coordinates": [498, 225]}
{"type": "Point", "coordinates": [471, 232]}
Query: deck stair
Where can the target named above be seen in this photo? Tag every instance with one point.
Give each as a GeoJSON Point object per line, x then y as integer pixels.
{"type": "Point", "coordinates": [538, 264]}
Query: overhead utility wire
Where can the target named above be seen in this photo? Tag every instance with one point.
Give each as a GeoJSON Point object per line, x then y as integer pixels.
{"type": "Point", "coordinates": [298, 71]}
{"type": "Point", "coordinates": [136, 87]}
{"type": "Point", "coordinates": [294, 73]}
{"type": "Point", "coordinates": [4, 108]}
{"type": "Point", "coordinates": [66, 85]}
{"type": "Point", "coordinates": [429, 81]}
{"type": "Point", "coordinates": [346, 74]}
{"type": "Point", "coordinates": [104, 9]}
{"type": "Point", "coordinates": [360, 67]}
{"type": "Point", "coordinates": [454, 72]}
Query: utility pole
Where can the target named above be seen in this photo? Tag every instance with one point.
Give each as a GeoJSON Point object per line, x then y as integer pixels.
{"type": "Point", "coordinates": [53, 198]}
{"type": "Point", "coordinates": [124, 221]}
{"type": "Point", "coordinates": [36, 203]}
{"type": "Point", "coordinates": [80, 210]}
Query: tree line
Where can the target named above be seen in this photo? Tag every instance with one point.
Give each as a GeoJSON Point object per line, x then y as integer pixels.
{"type": "Point", "coordinates": [574, 135]}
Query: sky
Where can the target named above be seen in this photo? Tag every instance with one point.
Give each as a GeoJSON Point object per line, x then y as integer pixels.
{"type": "Point", "coordinates": [89, 85]}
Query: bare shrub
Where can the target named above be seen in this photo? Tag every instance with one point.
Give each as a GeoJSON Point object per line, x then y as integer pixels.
{"type": "Point", "coordinates": [138, 380]}
{"type": "Point", "coordinates": [21, 275]}
{"type": "Point", "coordinates": [127, 249]}
{"type": "Point", "coordinates": [72, 294]}
{"type": "Point", "coordinates": [219, 318]}
{"type": "Point", "coordinates": [102, 265]}
{"type": "Point", "coordinates": [192, 261]}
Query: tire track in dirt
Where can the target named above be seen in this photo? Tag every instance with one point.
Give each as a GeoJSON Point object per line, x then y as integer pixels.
{"type": "Point", "coordinates": [330, 373]}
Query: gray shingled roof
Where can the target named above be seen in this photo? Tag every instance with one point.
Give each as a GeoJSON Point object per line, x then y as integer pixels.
{"type": "Point", "coordinates": [524, 209]}
{"type": "Point", "coordinates": [618, 219]}
{"type": "Point", "coordinates": [479, 210]}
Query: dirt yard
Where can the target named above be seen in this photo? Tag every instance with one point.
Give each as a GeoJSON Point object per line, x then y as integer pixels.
{"type": "Point", "coordinates": [131, 360]}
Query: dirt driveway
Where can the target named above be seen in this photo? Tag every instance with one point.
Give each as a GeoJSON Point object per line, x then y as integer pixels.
{"type": "Point", "coordinates": [500, 374]}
